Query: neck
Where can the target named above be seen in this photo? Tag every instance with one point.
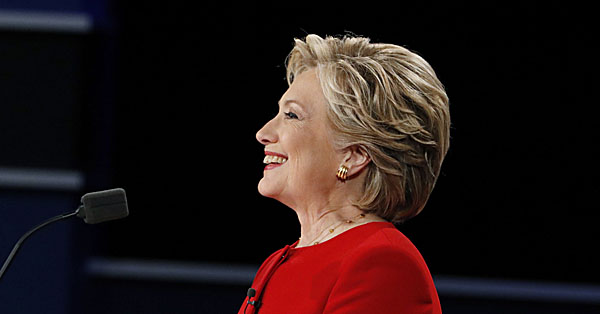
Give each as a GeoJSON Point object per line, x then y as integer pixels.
{"type": "Point", "coordinates": [326, 224]}
{"type": "Point", "coordinates": [329, 210]}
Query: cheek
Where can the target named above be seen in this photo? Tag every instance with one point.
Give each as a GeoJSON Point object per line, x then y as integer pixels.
{"type": "Point", "coordinates": [312, 159]}
{"type": "Point", "coordinates": [312, 165]}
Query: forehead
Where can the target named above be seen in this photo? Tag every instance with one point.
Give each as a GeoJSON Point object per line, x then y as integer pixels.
{"type": "Point", "coordinates": [306, 89]}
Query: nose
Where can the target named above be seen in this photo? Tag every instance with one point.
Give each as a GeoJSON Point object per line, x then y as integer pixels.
{"type": "Point", "coordinates": [267, 135]}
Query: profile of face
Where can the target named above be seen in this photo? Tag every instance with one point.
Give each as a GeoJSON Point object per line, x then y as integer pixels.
{"type": "Point", "coordinates": [299, 152]}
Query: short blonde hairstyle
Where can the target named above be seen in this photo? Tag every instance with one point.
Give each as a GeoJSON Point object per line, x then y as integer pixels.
{"type": "Point", "coordinates": [389, 101]}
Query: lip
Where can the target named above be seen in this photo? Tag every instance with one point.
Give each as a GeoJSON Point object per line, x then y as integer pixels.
{"type": "Point", "coordinates": [272, 166]}
{"type": "Point", "coordinates": [275, 154]}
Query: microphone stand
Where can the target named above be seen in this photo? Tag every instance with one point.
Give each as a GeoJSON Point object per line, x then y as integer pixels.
{"type": "Point", "coordinates": [29, 233]}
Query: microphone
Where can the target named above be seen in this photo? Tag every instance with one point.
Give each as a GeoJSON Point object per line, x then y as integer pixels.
{"type": "Point", "coordinates": [251, 293]}
{"type": "Point", "coordinates": [96, 207]}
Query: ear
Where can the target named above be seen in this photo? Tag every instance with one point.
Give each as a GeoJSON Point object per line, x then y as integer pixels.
{"type": "Point", "coordinates": [356, 159]}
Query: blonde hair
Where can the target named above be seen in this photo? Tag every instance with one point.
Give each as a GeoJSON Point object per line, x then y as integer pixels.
{"type": "Point", "coordinates": [389, 101]}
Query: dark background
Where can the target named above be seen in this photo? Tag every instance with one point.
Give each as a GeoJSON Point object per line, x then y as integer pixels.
{"type": "Point", "coordinates": [164, 100]}
{"type": "Point", "coordinates": [516, 194]}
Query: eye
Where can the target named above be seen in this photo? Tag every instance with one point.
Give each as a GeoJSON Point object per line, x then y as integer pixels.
{"type": "Point", "coordinates": [290, 115]}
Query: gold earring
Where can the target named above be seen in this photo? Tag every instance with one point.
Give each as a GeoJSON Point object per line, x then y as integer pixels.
{"type": "Point", "coordinates": [342, 173]}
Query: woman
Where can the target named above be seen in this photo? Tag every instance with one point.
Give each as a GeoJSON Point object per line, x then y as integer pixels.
{"type": "Point", "coordinates": [357, 146]}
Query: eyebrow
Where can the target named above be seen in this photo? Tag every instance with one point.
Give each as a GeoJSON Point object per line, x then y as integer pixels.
{"type": "Point", "coordinates": [288, 101]}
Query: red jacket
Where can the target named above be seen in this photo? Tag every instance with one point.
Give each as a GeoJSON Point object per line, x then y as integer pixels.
{"type": "Point", "coordinates": [372, 268]}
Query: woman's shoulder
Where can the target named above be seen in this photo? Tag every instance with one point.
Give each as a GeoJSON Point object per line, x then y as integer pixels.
{"type": "Point", "coordinates": [382, 243]}
{"type": "Point", "coordinates": [388, 271]}
{"type": "Point", "coordinates": [382, 234]}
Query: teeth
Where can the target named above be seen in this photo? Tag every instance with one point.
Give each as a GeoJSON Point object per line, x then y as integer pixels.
{"type": "Point", "coordinates": [270, 159]}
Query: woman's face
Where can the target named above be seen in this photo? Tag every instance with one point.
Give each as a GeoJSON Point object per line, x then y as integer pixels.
{"type": "Point", "coordinates": [300, 156]}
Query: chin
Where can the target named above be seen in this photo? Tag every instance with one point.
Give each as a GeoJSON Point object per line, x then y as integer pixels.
{"type": "Point", "coordinates": [267, 191]}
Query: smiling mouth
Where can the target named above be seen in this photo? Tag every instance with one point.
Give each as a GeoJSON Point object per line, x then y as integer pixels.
{"type": "Point", "coordinates": [273, 160]}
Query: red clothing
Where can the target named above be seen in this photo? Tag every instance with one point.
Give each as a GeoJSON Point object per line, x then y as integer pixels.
{"type": "Point", "coordinates": [372, 268]}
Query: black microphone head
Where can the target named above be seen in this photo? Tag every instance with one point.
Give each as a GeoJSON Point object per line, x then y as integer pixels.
{"type": "Point", "coordinates": [103, 206]}
{"type": "Point", "coordinates": [251, 293]}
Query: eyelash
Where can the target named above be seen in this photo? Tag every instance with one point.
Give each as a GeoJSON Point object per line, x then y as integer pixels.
{"type": "Point", "coordinates": [290, 115]}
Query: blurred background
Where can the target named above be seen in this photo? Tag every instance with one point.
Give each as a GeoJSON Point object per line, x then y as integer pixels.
{"type": "Point", "coordinates": [164, 99]}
